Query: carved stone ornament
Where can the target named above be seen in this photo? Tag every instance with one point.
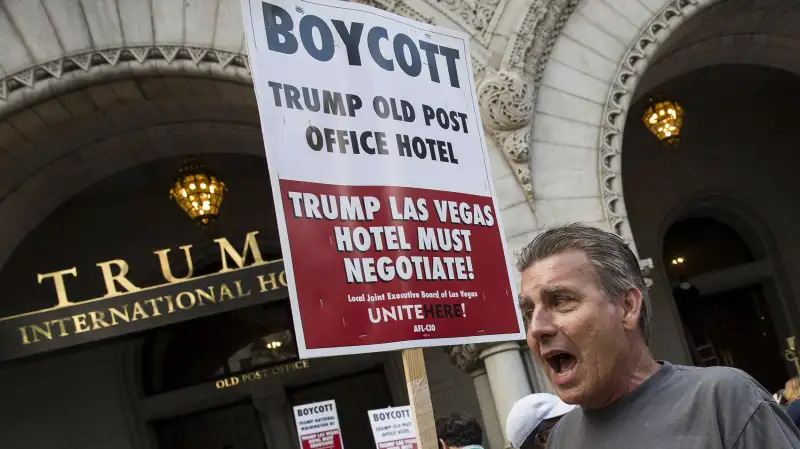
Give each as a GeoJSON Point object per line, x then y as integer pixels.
{"type": "Point", "coordinates": [51, 78]}
{"type": "Point", "coordinates": [398, 7]}
{"type": "Point", "coordinates": [507, 97]}
{"type": "Point", "coordinates": [506, 100]}
{"type": "Point", "coordinates": [466, 357]}
{"type": "Point", "coordinates": [647, 267]}
{"type": "Point", "coordinates": [478, 17]}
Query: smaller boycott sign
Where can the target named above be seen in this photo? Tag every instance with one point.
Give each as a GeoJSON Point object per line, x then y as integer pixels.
{"type": "Point", "coordinates": [393, 428]}
{"type": "Point", "coordinates": [318, 425]}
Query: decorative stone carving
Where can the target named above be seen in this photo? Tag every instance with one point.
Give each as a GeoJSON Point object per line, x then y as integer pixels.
{"type": "Point", "coordinates": [647, 267]}
{"type": "Point", "coordinates": [544, 34]}
{"type": "Point", "coordinates": [506, 104]}
{"type": "Point", "coordinates": [478, 17]}
{"type": "Point", "coordinates": [101, 59]}
{"type": "Point", "coordinates": [506, 100]}
{"type": "Point", "coordinates": [619, 98]}
{"type": "Point", "coordinates": [466, 357]}
{"type": "Point", "coordinates": [398, 7]}
{"type": "Point", "coordinates": [507, 97]}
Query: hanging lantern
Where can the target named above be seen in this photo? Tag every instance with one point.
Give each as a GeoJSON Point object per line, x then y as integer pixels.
{"type": "Point", "coordinates": [664, 119]}
{"type": "Point", "coordinates": [198, 192]}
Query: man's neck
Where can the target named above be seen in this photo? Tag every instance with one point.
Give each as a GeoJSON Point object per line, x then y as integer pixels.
{"type": "Point", "coordinates": [645, 369]}
{"type": "Point", "coordinates": [636, 372]}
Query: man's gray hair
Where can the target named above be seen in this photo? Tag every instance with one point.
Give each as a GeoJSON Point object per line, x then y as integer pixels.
{"type": "Point", "coordinates": [615, 266]}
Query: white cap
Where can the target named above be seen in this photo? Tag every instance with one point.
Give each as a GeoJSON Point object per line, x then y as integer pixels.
{"type": "Point", "coordinates": [529, 412]}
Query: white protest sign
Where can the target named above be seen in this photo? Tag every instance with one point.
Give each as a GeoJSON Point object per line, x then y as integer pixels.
{"type": "Point", "coordinates": [385, 205]}
{"type": "Point", "coordinates": [393, 428]}
{"type": "Point", "coordinates": [318, 425]}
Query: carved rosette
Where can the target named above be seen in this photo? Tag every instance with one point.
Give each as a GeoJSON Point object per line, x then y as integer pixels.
{"type": "Point", "coordinates": [506, 103]}
{"type": "Point", "coordinates": [506, 100]}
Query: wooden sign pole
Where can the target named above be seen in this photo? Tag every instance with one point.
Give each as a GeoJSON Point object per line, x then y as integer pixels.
{"type": "Point", "coordinates": [419, 396]}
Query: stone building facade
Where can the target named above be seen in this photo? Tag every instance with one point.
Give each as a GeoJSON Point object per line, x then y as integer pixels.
{"type": "Point", "coordinates": [91, 91]}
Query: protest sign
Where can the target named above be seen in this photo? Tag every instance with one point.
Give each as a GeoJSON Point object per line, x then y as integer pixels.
{"type": "Point", "coordinates": [393, 428]}
{"type": "Point", "coordinates": [385, 206]}
{"type": "Point", "coordinates": [318, 425]}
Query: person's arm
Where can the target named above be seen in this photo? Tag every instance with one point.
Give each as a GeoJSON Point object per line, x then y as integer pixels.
{"type": "Point", "coordinates": [768, 427]}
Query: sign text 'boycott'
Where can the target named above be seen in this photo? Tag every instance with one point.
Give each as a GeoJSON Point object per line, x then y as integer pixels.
{"type": "Point", "coordinates": [280, 29]}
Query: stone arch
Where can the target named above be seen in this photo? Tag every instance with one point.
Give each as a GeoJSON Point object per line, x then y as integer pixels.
{"type": "Point", "coordinates": [597, 69]}
{"type": "Point", "coordinates": [757, 233]}
{"type": "Point", "coordinates": [586, 91]}
{"type": "Point", "coordinates": [728, 208]}
{"type": "Point", "coordinates": [73, 52]}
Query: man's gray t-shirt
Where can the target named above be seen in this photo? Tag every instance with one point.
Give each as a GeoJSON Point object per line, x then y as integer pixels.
{"type": "Point", "coordinates": [683, 407]}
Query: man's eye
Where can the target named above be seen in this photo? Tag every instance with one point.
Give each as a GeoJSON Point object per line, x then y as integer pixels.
{"type": "Point", "coordinates": [526, 310]}
{"type": "Point", "coordinates": [561, 301]}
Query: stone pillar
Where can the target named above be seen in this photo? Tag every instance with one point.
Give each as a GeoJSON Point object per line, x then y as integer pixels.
{"type": "Point", "coordinates": [276, 421]}
{"type": "Point", "coordinates": [507, 376]}
{"type": "Point", "coordinates": [467, 357]}
{"type": "Point", "coordinates": [493, 432]}
{"type": "Point", "coordinates": [539, 380]}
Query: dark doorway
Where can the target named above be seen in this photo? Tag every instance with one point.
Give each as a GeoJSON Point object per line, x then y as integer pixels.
{"type": "Point", "coordinates": [354, 395]}
{"type": "Point", "coordinates": [737, 330]}
{"type": "Point", "coordinates": [730, 326]}
{"type": "Point", "coordinates": [231, 427]}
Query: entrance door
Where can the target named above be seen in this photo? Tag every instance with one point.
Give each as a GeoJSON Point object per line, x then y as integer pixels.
{"type": "Point", "coordinates": [231, 427]}
{"type": "Point", "coordinates": [354, 395]}
{"type": "Point", "coordinates": [739, 327]}
{"type": "Point", "coordinates": [729, 323]}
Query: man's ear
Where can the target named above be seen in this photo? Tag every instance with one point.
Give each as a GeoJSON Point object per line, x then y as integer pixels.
{"type": "Point", "coordinates": [441, 444]}
{"type": "Point", "coordinates": [631, 303]}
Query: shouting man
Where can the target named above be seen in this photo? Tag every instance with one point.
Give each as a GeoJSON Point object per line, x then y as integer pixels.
{"type": "Point", "coordinates": [588, 315]}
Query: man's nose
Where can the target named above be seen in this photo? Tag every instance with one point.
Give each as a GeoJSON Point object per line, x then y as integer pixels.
{"type": "Point", "coordinates": [542, 325]}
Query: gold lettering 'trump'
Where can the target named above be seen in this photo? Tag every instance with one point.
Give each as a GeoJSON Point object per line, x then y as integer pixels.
{"type": "Point", "coordinates": [115, 271]}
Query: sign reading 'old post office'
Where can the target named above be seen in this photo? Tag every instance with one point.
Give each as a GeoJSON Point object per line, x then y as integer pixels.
{"type": "Point", "coordinates": [127, 308]}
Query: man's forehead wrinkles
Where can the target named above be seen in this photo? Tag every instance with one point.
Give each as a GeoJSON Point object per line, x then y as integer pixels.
{"type": "Point", "coordinates": [557, 288]}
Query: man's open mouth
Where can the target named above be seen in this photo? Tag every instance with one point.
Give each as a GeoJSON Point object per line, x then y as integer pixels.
{"type": "Point", "coordinates": [560, 362]}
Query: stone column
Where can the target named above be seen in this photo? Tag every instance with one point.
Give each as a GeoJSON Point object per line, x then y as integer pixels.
{"type": "Point", "coordinates": [276, 421]}
{"type": "Point", "coordinates": [538, 378]}
{"type": "Point", "coordinates": [507, 376]}
{"type": "Point", "coordinates": [493, 432]}
{"type": "Point", "coordinates": [467, 357]}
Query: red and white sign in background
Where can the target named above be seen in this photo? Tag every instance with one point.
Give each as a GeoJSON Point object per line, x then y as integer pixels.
{"type": "Point", "coordinates": [386, 211]}
{"type": "Point", "coordinates": [318, 425]}
{"type": "Point", "coordinates": [393, 428]}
